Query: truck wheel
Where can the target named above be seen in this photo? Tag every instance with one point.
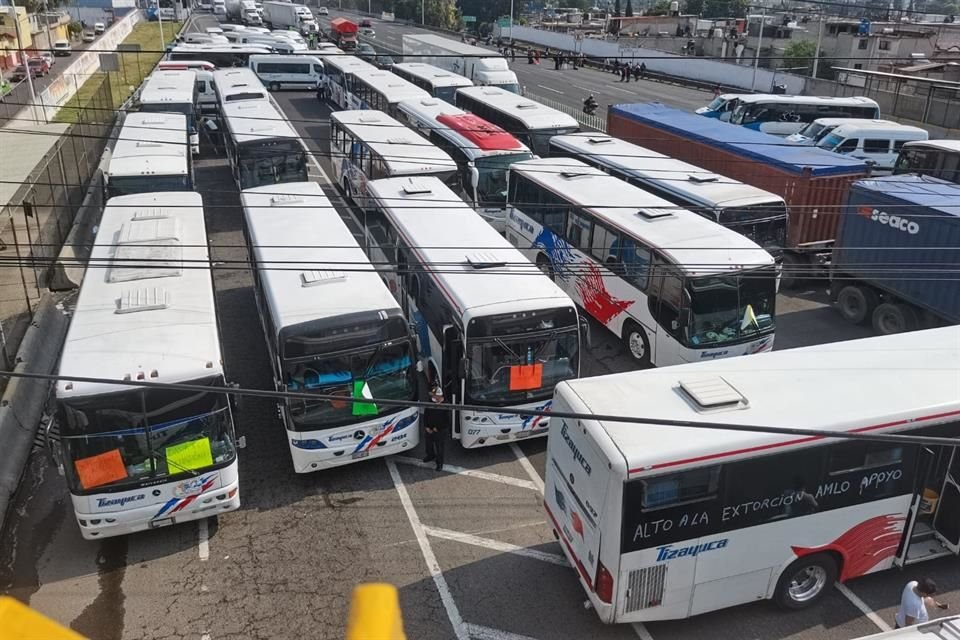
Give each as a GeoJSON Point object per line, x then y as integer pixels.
{"type": "Point", "coordinates": [890, 318]}
{"type": "Point", "coordinates": [792, 270]}
{"type": "Point", "coordinates": [857, 303]}
{"type": "Point", "coordinates": [805, 581]}
{"type": "Point", "coordinates": [638, 347]}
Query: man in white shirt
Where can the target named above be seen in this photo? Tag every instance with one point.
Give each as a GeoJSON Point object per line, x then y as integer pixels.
{"type": "Point", "coordinates": [913, 603]}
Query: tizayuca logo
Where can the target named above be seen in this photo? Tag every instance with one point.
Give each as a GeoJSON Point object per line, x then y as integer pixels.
{"type": "Point", "coordinates": [574, 450]}
{"type": "Point", "coordinates": [119, 502]}
{"type": "Point", "coordinates": [897, 222]}
{"type": "Point", "coordinates": [668, 552]}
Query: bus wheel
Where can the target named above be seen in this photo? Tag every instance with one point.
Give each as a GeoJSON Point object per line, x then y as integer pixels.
{"type": "Point", "coordinates": [806, 581]}
{"type": "Point", "coordinates": [544, 264]}
{"type": "Point", "coordinates": [635, 340]}
{"type": "Point", "coordinates": [856, 304]}
{"type": "Point", "coordinates": [889, 318]}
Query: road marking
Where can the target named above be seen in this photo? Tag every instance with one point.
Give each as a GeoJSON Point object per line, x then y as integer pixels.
{"type": "Point", "coordinates": [581, 88]}
{"type": "Point", "coordinates": [629, 93]}
{"type": "Point", "coordinates": [495, 545]}
{"type": "Point", "coordinates": [472, 473]}
{"type": "Point", "coordinates": [453, 614]}
{"type": "Point", "coordinates": [860, 604]}
{"type": "Point", "coordinates": [203, 532]}
{"type": "Point", "coordinates": [527, 466]}
{"type": "Point", "coordinates": [550, 89]}
{"type": "Point", "coordinates": [479, 632]}
{"type": "Point", "coordinates": [641, 631]}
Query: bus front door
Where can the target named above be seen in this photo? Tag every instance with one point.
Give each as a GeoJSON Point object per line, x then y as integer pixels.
{"type": "Point", "coordinates": [946, 519]}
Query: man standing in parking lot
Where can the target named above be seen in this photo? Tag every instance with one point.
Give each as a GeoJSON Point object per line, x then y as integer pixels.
{"type": "Point", "coordinates": [917, 595]}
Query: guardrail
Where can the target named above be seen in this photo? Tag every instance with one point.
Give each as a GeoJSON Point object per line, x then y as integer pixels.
{"type": "Point", "coordinates": [595, 122]}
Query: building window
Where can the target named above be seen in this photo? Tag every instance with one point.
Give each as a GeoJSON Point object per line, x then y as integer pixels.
{"type": "Point", "coordinates": [884, 45]}
{"type": "Point", "coordinates": [862, 43]}
{"type": "Point", "coordinates": [858, 66]}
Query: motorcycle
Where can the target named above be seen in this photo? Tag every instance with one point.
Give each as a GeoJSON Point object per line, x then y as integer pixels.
{"type": "Point", "coordinates": [590, 108]}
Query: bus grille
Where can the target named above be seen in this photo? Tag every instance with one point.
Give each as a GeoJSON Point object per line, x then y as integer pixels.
{"type": "Point", "coordinates": [645, 587]}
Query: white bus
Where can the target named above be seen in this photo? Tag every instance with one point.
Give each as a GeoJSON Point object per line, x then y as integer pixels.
{"type": "Point", "coordinates": [151, 154]}
{"type": "Point", "coordinates": [782, 115]}
{"type": "Point", "coordinates": [370, 145]}
{"type": "Point", "coordinates": [934, 158]}
{"type": "Point", "coordinates": [332, 328]}
{"type": "Point", "coordinates": [674, 286]}
{"type": "Point", "coordinates": [531, 122]}
{"type": "Point", "coordinates": [173, 92]}
{"type": "Point", "coordinates": [296, 71]}
{"type": "Point", "coordinates": [438, 82]}
{"type": "Point", "coordinates": [666, 522]}
{"type": "Point", "coordinates": [339, 74]}
{"type": "Point", "coordinates": [139, 458]}
{"type": "Point", "coordinates": [483, 152]}
{"type": "Point", "coordinates": [223, 56]}
{"type": "Point", "coordinates": [752, 212]}
{"type": "Point", "coordinates": [261, 145]}
{"type": "Point", "coordinates": [382, 90]}
{"type": "Point", "coordinates": [238, 85]}
{"type": "Point", "coordinates": [492, 329]}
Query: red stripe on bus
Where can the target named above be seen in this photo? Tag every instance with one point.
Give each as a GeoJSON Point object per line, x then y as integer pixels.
{"type": "Point", "coordinates": [580, 568]}
{"type": "Point", "coordinates": [714, 456]}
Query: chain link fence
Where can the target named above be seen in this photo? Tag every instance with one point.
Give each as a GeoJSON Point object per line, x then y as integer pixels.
{"type": "Point", "coordinates": [35, 222]}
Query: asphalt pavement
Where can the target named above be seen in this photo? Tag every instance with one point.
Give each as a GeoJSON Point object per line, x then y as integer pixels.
{"type": "Point", "coordinates": [469, 548]}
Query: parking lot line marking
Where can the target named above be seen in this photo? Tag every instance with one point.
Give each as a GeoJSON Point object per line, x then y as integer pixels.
{"type": "Point", "coordinates": [479, 632]}
{"type": "Point", "coordinates": [525, 463]}
{"type": "Point", "coordinates": [550, 89]}
{"type": "Point", "coordinates": [473, 473]}
{"type": "Point", "coordinates": [203, 533]}
{"type": "Point", "coordinates": [495, 545]}
{"type": "Point", "coordinates": [456, 621]}
{"type": "Point", "coordinates": [860, 604]}
{"type": "Point", "coordinates": [641, 631]}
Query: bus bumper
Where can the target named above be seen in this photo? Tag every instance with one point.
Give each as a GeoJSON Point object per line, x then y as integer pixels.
{"type": "Point", "coordinates": [485, 429]}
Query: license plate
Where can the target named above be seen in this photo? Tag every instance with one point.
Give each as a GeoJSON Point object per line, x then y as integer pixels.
{"type": "Point", "coordinates": [162, 522]}
{"type": "Point", "coordinates": [360, 454]}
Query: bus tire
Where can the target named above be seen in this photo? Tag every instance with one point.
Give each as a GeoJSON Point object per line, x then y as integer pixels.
{"type": "Point", "coordinates": [792, 270]}
{"type": "Point", "coordinates": [890, 318]}
{"type": "Point", "coordinates": [636, 342]}
{"type": "Point", "coordinates": [274, 86]}
{"type": "Point", "coordinates": [856, 303]}
{"type": "Point", "coordinates": [805, 581]}
{"type": "Point", "coordinates": [544, 264]}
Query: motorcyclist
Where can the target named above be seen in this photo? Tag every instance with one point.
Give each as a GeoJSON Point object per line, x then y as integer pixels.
{"type": "Point", "coordinates": [590, 105]}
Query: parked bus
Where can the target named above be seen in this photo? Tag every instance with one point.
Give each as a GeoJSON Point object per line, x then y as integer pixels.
{"type": "Point", "coordinates": [173, 92]}
{"type": "Point", "coordinates": [296, 71]}
{"type": "Point", "coordinates": [935, 158]}
{"type": "Point", "coordinates": [332, 328]}
{"type": "Point", "coordinates": [438, 82]}
{"type": "Point", "coordinates": [782, 115]}
{"type": "Point", "coordinates": [722, 106]}
{"type": "Point", "coordinates": [483, 152]}
{"type": "Point", "coordinates": [151, 154]}
{"type": "Point", "coordinates": [238, 85]}
{"type": "Point", "coordinates": [492, 329]}
{"type": "Point", "coordinates": [752, 212]}
{"type": "Point", "coordinates": [531, 122]}
{"type": "Point", "coordinates": [674, 286]}
{"type": "Point", "coordinates": [382, 90]}
{"type": "Point", "coordinates": [261, 145]}
{"type": "Point", "coordinates": [223, 56]}
{"type": "Point", "coordinates": [369, 145]}
{"type": "Point", "coordinates": [339, 74]}
{"type": "Point", "coordinates": [138, 458]}
{"type": "Point", "coordinates": [681, 521]}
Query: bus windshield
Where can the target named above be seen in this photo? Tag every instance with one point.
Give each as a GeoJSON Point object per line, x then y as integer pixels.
{"type": "Point", "coordinates": [272, 163]}
{"type": "Point", "coordinates": [765, 224]}
{"type": "Point", "coordinates": [186, 109]}
{"type": "Point", "coordinates": [383, 372]}
{"type": "Point", "coordinates": [731, 308]}
{"type": "Point", "coordinates": [539, 140]}
{"type": "Point", "coordinates": [127, 185]}
{"type": "Point", "coordinates": [149, 430]}
{"type": "Point", "coordinates": [492, 187]}
{"type": "Point", "coordinates": [447, 94]}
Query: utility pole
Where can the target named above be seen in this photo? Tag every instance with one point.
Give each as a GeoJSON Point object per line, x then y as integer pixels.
{"type": "Point", "coordinates": [25, 61]}
{"type": "Point", "coordinates": [511, 22]}
{"type": "Point", "coordinates": [816, 55]}
{"type": "Point", "coordinates": [423, 12]}
{"type": "Point", "coordinates": [756, 59]}
{"type": "Point", "coordinates": [163, 41]}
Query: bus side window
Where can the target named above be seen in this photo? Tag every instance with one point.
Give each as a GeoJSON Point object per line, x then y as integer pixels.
{"type": "Point", "coordinates": [636, 261]}
{"type": "Point", "coordinates": [578, 230]}
{"type": "Point", "coordinates": [605, 246]}
{"type": "Point", "coordinates": [666, 297]}
{"type": "Point", "coordinates": [554, 211]}
{"type": "Point", "coordinates": [683, 487]}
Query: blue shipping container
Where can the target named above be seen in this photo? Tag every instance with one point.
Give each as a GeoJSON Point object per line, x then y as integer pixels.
{"type": "Point", "coordinates": [901, 234]}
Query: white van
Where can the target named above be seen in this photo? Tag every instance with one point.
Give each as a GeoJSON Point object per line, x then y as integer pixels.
{"type": "Point", "coordinates": [277, 72]}
{"type": "Point", "coordinates": [813, 132]}
{"type": "Point", "coordinates": [874, 142]}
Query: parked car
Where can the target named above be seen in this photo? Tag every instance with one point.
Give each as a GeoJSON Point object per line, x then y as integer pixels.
{"type": "Point", "coordinates": [88, 36]}
{"type": "Point", "coordinates": [41, 63]}
{"type": "Point", "coordinates": [62, 48]}
{"type": "Point", "coordinates": [99, 27]}
{"type": "Point", "coordinates": [20, 72]}
{"type": "Point", "coordinates": [323, 11]}
{"type": "Point", "coordinates": [48, 56]}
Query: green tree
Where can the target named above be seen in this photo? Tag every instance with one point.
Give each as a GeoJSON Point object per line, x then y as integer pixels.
{"type": "Point", "coordinates": [694, 7]}
{"type": "Point", "coordinates": [800, 53]}
{"type": "Point", "coordinates": [629, 11]}
{"type": "Point", "coordinates": [616, 8]}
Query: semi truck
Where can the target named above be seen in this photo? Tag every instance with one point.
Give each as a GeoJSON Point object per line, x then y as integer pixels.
{"type": "Point", "coordinates": [813, 182]}
{"type": "Point", "coordinates": [343, 33]}
{"type": "Point", "coordinates": [479, 65]}
{"type": "Point", "coordinates": [895, 250]}
{"type": "Point", "coordinates": [283, 15]}
{"type": "Point", "coordinates": [242, 11]}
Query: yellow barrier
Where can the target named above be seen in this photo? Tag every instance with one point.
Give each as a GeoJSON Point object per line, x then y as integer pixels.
{"type": "Point", "coordinates": [375, 613]}
{"type": "Point", "coordinates": [19, 622]}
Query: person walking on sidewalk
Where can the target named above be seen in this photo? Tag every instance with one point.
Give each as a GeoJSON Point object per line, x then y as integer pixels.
{"type": "Point", "coordinates": [917, 595]}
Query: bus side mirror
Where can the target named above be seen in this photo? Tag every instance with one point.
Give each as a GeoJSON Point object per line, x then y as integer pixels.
{"type": "Point", "coordinates": [585, 332]}
{"type": "Point", "coordinates": [474, 177]}
{"type": "Point", "coordinates": [54, 448]}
